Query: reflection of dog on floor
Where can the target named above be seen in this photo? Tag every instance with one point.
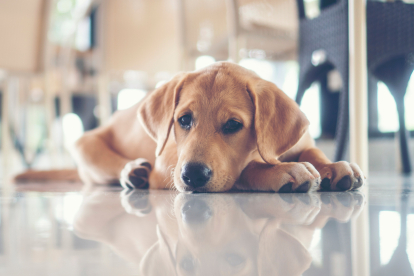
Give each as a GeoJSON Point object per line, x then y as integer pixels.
{"type": "Point", "coordinates": [220, 234]}
{"type": "Point", "coordinates": [215, 129]}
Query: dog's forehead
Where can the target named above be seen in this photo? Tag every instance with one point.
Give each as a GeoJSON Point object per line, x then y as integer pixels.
{"type": "Point", "coordinates": [216, 87]}
{"type": "Point", "coordinates": [213, 81]}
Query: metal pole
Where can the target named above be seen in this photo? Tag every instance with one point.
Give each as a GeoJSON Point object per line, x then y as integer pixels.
{"type": "Point", "coordinates": [358, 114]}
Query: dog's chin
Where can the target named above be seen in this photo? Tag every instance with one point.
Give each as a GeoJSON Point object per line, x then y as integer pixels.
{"type": "Point", "coordinates": [187, 189]}
{"type": "Point", "coordinates": [205, 189]}
{"type": "Point", "coordinates": [184, 189]}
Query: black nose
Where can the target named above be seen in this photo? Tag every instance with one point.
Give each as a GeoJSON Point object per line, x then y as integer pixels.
{"type": "Point", "coordinates": [195, 174]}
{"type": "Point", "coordinates": [195, 211]}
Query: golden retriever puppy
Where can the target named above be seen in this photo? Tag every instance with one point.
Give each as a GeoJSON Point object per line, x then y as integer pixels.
{"type": "Point", "coordinates": [212, 130]}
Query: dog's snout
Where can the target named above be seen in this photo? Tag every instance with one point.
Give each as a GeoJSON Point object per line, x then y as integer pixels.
{"type": "Point", "coordinates": [195, 211]}
{"type": "Point", "coordinates": [195, 174]}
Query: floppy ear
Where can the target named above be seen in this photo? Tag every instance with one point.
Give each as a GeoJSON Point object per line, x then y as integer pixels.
{"type": "Point", "coordinates": [156, 111]}
{"type": "Point", "coordinates": [281, 254]}
{"type": "Point", "coordinates": [279, 123]}
{"type": "Point", "coordinates": [159, 259]}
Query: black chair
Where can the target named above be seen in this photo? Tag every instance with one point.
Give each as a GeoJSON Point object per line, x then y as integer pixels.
{"type": "Point", "coordinates": [390, 46]}
{"type": "Point", "coordinates": [328, 35]}
{"type": "Point", "coordinates": [390, 43]}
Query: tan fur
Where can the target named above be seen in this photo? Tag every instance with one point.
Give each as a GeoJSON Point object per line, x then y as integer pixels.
{"type": "Point", "coordinates": [271, 150]}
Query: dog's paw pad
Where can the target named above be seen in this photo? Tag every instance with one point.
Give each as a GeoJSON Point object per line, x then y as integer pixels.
{"type": "Point", "coordinates": [287, 188]}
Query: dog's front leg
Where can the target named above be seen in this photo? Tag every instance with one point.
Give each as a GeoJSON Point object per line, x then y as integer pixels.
{"type": "Point", "coordinates": [98, 163]}
{"type": "Point", "coordinates": [284, 177]}
{"type": "Point", "coordinates": [337, 176]}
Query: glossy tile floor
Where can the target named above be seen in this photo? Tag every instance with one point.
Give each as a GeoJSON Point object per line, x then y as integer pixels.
{"type": "Point", "coordinates": [49, 229]}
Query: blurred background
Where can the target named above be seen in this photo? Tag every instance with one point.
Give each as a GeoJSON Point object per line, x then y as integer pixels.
{"type": "Point", "coordinates": [67, 65]}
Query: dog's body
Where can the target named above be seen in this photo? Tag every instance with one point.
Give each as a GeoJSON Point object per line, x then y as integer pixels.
{"type": "Point", "coordinates": [216, 129]}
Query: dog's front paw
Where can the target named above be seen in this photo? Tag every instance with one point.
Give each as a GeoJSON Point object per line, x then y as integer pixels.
{"type": "Point", "coordinates": [341, 176]}
{"type": "Point", "coordinates": [297, 177]}
{"type": "Point", "coordinates": [135, 174]}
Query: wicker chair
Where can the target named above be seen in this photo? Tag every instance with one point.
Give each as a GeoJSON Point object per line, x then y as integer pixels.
{"type": "Point", "coordinates": [390, 44]}
{"type": "Point", "coordinates": [327, 35]}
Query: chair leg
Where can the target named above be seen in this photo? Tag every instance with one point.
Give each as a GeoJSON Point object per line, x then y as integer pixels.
{"type": "Point", "coordinates": [301, 91]}
{"type": "Point", "coordinates": [329, 102]}
{"type": "Point", "coordinates": [396, 74]}
{"type": "Point", "coordinates": [372, 104]}
{"type": "Point", "coordinates": [404, 138]}
{"type": "Point", "coordinates": [342, 129]}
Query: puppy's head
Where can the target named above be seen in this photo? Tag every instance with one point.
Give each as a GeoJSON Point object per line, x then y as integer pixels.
{"type": "Point", "coordinates": [221, 117]}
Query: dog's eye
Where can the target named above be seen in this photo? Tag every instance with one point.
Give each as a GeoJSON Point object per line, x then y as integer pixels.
{"type": "Point", "coordinates": [185, 121]}
{"type": "Point", "coordinates": [231, 126]}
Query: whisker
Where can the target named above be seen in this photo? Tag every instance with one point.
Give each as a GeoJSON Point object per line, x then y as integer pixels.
{"type": "Point", "coordinates": [171, 173]}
